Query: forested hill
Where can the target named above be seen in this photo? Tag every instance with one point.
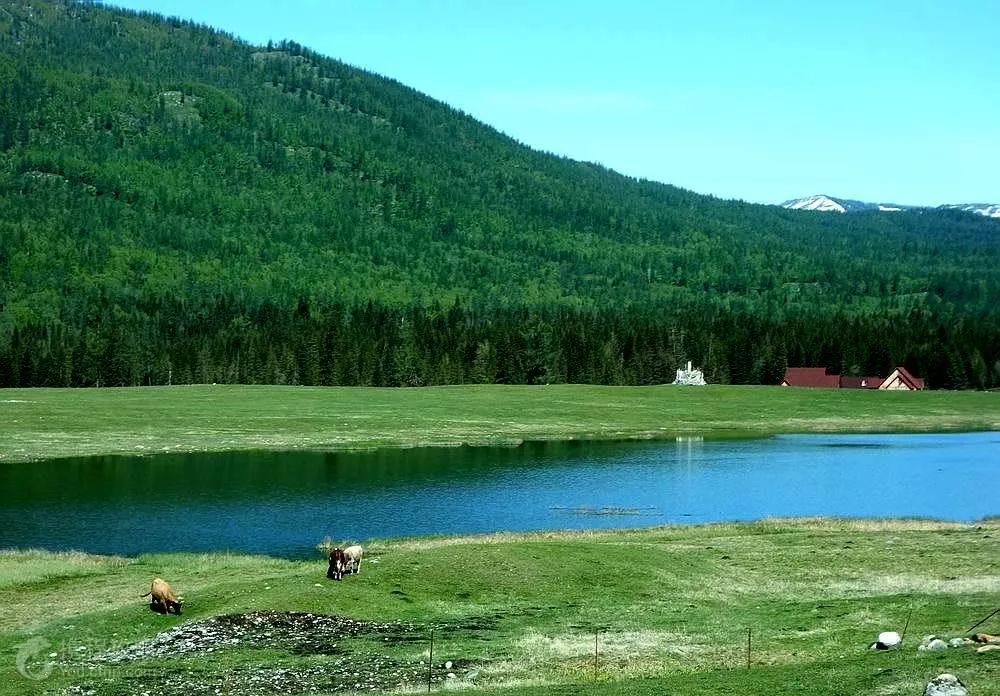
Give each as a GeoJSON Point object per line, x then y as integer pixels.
{"type": "Point", "coordinates": [178, 205]}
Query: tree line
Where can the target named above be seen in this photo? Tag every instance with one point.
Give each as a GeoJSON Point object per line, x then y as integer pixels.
{"type": "Point", "coordinates": [376, 345]}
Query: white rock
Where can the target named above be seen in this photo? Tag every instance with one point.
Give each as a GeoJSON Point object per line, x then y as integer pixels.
{"type": "Point", "coordinates": [889, 639]}
{"type": "Point", "coordinates": [451, 675]}
{"type": "Point", "coordinates": [447, 665]}
{"type": "Point", "coordinates": [937, 645]}
{"type": "Point", "coordinates": [945, 685]}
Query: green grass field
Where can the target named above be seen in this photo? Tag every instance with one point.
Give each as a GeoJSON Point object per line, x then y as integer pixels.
{"type": "Point", "coordinates": [516, 614]}
{"type": "Point", "coordinates": [48, 423]}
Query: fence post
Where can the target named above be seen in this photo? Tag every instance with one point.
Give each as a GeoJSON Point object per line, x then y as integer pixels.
{"type": "Point", "coordinates": [430, 662]}
{"type": "Point", "coordinates": [748, 647]}
{"type": "Point", "coordinates": [596, 633]}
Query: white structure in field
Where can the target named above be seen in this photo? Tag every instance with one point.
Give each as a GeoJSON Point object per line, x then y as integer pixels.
{"type": "Point", "coordinates": [690, 376]}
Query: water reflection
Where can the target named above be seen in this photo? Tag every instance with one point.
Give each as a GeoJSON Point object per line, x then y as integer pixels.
{"type": "Point", "coordinates": [284, 503]}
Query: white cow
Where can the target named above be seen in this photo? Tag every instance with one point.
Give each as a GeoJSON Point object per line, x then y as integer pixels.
{"type": "Point", "coordinates": [352, 556]}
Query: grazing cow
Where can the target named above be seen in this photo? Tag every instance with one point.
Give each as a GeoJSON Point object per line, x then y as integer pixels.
{"type": "Point", "coordinates": [352, 555]}
{"type": "Point", "coordinates": [162, 597]}
{"type": "Point", "coordinates": [337, 564]}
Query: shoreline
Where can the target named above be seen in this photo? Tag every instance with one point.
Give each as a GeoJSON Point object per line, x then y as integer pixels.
{"type": "Point", "coordinates": [426, 542]}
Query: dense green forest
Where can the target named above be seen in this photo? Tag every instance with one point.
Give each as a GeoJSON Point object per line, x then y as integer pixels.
{"type": "Point", "coordinates": [177, 205]}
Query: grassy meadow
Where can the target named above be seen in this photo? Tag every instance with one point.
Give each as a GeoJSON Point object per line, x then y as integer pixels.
{"type": "Point", "coordinates": [517, 614]}
{"type": "Point", "coordinates": [49, 423]}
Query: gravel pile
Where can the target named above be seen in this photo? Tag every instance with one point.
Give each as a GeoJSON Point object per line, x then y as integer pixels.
{"type": "Point", "coordinates": [354, 673]}
{"type": "Point", "coordinates": [344, 667]}
{"type": "Point", "coordinates": [297, 632]}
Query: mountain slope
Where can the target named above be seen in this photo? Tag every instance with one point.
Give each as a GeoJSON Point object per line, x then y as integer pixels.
{"type": "Point", "coordinates": [175, 203]}
{"type": "Point", "coordinates": [985, 209]}
{"type": "Point", "coordinates": [825, 203]}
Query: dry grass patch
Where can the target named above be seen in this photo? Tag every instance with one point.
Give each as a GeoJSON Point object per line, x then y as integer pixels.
{"type": "Point", "coordinates": [636, 653]}
{"type": "Point", "coordinates": [497, 538]}
{"type": "Point", "coordinates": [914, 583]}
{"type": "Point", "coordinates": [845, 524]}
{"type": "Point", "coordinates": [19, 567]}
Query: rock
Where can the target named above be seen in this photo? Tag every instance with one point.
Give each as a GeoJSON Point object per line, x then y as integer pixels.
{"type": "Point", "coordinates": [958, 642]}
{"type": "Point", "coordinates": [945, 685]}
{"type": "Point", "coordinates": [447, 665]}
{"type": "Point", "coordinates": [932, 643]}
{"type": "Point", "coordinates": [451, 675]}
{"type": "Point", "coordinates": [987, 648]}
{"type": "Point", "coordinates": [887, 640]}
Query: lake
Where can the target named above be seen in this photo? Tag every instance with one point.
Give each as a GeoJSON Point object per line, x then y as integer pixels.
{"type": "Point", "coordinates": [285, 503]}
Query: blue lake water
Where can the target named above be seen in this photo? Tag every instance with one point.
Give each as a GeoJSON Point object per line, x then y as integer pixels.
{"type": "Point", "coordinates": [284, 503]}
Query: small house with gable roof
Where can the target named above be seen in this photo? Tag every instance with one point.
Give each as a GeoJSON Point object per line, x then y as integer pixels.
{"type": "Point", "coordinates": [901, 380]}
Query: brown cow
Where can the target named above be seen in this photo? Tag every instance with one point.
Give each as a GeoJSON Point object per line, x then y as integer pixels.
{"type": "Point", "coordinates": [337, 563]}
{"type": "Point", "coordinates": [163, 599]}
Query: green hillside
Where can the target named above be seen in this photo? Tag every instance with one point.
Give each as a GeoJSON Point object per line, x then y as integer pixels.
{"type": "Point", "coordinates": [177, 205]}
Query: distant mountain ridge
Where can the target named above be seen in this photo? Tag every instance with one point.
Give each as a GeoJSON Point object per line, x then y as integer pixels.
{"type": "Point", "coordinates": [824, 203]}
{"type": "Point", "coordinates": [986, 209]}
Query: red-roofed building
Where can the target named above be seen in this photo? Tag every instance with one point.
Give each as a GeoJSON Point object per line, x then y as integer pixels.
{"type": "Point", "coordinates": [901, 380]}
{"type": "Point", "coordinates": [810, 377]}
{"type": "Point", "coordinates": [818, 377]}
{"type": "Point", "coordinates": [847, 382]}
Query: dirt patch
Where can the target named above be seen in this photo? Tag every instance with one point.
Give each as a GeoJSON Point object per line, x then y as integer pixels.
{"type": "Point", "coordinates": [297, 632]}
{"type": "Point", "coordinates": [353, 674]}
{"type": "Point", "coordinates": [323, 657]}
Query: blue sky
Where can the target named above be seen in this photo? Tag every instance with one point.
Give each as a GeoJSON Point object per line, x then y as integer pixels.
{"type": "Point", "coordinates": [880, 100]}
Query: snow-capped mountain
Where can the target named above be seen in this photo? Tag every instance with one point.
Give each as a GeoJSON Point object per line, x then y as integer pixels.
{"type": "Point", "coordinates": [844, 205]}
{"type": "Point", "coordinates": [828, 203]}
{"type": "Point", "coordinates": [988, 209]}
